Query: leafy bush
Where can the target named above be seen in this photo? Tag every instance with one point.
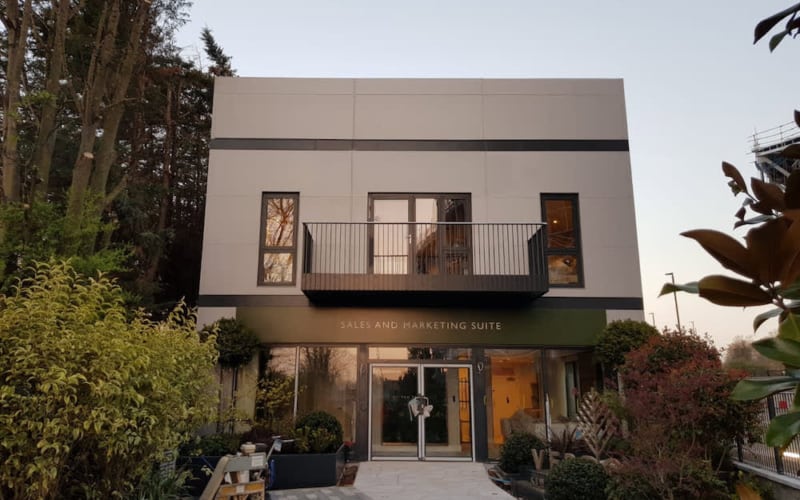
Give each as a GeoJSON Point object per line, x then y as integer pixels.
{"type": "Point", "coordinates": [681, 416]}
{"type": "Point", "coordinates": [212, 445]}
{"type": "Point", "coordinates": [315, 440]}
{"type": "Point", "coordinates": [576, 478]}
{"type": "Point", "coordinates": [92, 394]}
{"type": "Point", "coordinates": [516, 451]}
{"type": "Point", "coordinates": [619, 338]}
{"type": "Point", "coordinates": [328, 441]}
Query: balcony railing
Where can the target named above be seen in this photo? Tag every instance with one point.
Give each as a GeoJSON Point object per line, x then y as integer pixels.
{"type": "Point", "coordinates": [430, 259]}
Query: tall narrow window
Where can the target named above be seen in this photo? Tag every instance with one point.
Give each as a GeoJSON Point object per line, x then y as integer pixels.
{"type": "Point", "coordinates": [563, 249]}
{"type": "Point", "coordinates": [278, 238]}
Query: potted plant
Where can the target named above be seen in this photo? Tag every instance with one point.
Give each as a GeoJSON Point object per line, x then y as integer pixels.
{"type": "Point", "coordinates": [315, 458]}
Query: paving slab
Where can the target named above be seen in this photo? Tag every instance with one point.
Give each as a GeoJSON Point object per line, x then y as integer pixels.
{"type": "Point", "coordinates": [328, 493]}
{"type": "Point", "coordinates": [426, 481]}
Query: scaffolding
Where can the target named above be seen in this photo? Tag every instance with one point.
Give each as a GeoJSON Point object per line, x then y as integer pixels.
{"type": "Point", "coordinates": [768, 146]}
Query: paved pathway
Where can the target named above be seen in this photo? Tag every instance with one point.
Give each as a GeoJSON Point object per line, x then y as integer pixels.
{"type": "Point", "coordinates": [407, 481]}
{"type": "Point", "coordinates": [426, 481]}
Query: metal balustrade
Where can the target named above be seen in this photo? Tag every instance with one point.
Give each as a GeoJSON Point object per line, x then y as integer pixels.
{"type": "Point", "coordinates": [409, 258]}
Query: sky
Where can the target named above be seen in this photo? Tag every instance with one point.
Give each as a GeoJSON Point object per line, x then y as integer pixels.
{"type": "Point", "coordinates": [696, 90]}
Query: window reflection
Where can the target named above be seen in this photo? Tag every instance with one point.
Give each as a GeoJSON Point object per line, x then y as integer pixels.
{"type": "Point", "coordinates": [278, 267]}
{"type": "Point", "coordinates": [328, 382]}
{"type": "Point", "coordinates": [279, 244]}
{"type": "Point", "coordinates": [280, 223]}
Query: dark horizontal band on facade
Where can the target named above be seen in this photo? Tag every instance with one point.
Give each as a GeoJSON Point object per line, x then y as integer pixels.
{"type": "Point", "coordinates": [618, 303]}
{"type": "Point", "coordinates": [421, 145]}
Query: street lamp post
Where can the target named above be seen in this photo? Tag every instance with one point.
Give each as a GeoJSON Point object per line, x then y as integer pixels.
{"type": "Point", "coordinates": [653, 319]}
{"type": "Point", "coordinates": [675, 296]}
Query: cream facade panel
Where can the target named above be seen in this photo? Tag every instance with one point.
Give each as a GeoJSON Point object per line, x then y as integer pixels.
{"type": "Point", "coordinates": [607, 222]}
{"type": "Point", "coordinates": [231, 219]}
{"type": "Point", "coordinates": [417, 172]}
{"type": "Point", "coordinates": [312, 173]}
{"type": "Point", "coordinates": [254, 85]}
{"type": "Point", "coordinates": [418, 117]}
{"type": "Point", "coordinates": [610, 87]}
{"type": "Point", "coordinates": [230, 269]}
{"type": "Point", "coordinates": [282, 116]}
{"type": "Point", "coordinates": [418, 86]}
{"type": "Point", "coordinates": [554, 117]}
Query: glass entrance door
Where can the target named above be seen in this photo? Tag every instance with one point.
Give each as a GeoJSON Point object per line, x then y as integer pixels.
{"type": "Point", "coordinates": [420, 412]}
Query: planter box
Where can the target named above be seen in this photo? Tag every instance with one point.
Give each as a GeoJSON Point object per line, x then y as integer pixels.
{"type": "Point", "coordinates": [306, 470]}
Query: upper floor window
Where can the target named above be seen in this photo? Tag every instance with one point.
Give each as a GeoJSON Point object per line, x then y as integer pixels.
{"type": "Point", "coordinates": [563, 248]}
{"type": "Point", "coordinates": [278, 238]}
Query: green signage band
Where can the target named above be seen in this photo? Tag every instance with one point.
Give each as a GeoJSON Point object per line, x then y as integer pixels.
{"type": "Point", "coordinates": [498, 327]}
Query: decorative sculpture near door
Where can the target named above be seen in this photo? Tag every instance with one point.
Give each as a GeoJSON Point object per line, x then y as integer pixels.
{"type": "Point", "coordinates": [419, 405]}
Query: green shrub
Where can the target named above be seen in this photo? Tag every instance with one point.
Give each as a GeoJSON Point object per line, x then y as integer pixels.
{"type": "Point", "coordinates": [212, 445]}
{"type": "Point", "coordinates": [621, 337]}
{"type": "Point", "coordinates": [319, 440]}
{"type": "Point", "coordinates": [516, 451]}
{"type": "Point", "coordinates": [92, 394]}
{"type": "Point", "coordinates": [576, 478]}
{"type": "Point", "coordinates": [328, 441]}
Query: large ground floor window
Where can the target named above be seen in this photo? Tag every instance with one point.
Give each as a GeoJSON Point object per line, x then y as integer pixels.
{"type": "Point", "coordinates": [475, 397]}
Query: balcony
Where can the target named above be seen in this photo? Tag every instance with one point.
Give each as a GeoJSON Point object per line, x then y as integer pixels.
{"type": "Point", "coordinates": [423, 263]}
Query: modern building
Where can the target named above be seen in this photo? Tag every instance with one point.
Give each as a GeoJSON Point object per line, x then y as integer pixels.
{"type": "Point", "coordinates": [768, 147]}
{"type": "Point", "coordinates": [430, 260]}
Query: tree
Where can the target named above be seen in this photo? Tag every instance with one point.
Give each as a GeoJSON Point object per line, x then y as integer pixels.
{"type": "Point", "coordinates": [92, 393]}
{"type": "Point", "coordinates": [769, 262]}
{"type": "Point", "coordinates": [682, 419]}
{"type": "Point", "coordinates": [236, 345]}
{"type": "Point", "coordinates": [104, 143]}
{"type": "Point", "coordinates": [740, 355]}
{"type": "Point", "coordinates": [619, 338]}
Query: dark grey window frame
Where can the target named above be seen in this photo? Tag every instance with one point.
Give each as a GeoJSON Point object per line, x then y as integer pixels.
{"type": "Point", "coordinates": [264, 249]}
{"type": "Point", "coordinates": [577, 251]}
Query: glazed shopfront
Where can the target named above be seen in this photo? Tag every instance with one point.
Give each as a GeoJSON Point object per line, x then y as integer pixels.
{"type": "Point", "coordinates": [430, 383]}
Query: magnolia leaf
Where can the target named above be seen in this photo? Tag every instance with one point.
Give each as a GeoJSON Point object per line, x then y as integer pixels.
{"type": "Point", "coordinates": [770, 195]}
{"type": "Point", "coordinates": [763, 27]}
{"type": "Point", "coordinates": [726, 291]}
{"type": "Point", "coordinates": [797, 117]}
{"type": "Point", "coordinates": [690, 287]}
{"type": "Point", "coordinates": [792, 194]}
{"type": "Point", "coordinates": [792, 152]}
{"type": "Point", "coordinates": [736, 177]}
{"type": "Point", "coordinates": [790, 328]}
{"type": "Point", "coordinates": [776, 40]}
{"type": "Point", "coordinates": [740, 213]}
{"type": "Point", "coordinates": [761, 208]}
{"type": "Point", "coordinates": [750, 389]}
{"type": "Point", "coordinates": [783, 429]}
{"type": "Point", "coordinates": [728, 251]}
{"type": "Point", "coordinates": [761, 318]}
{"type": "Point", "coordinates": [758, 219]}
{"type": "Point", "coordinates": [792, 291]}
{"type": "Point", "coordinates": [784, 350]}
{"type": "Point", "coordinates": [762, 243]}
{"type": "Point", "coordinates": [788, 254]}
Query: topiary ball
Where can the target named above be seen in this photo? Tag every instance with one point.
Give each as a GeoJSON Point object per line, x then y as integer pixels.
{"type": "Point", "coordinates": [576, 478]}
{"type": "Point", "coordinates": [516, 451]}
{"type": "Point", "coordinates": [323, 420]}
